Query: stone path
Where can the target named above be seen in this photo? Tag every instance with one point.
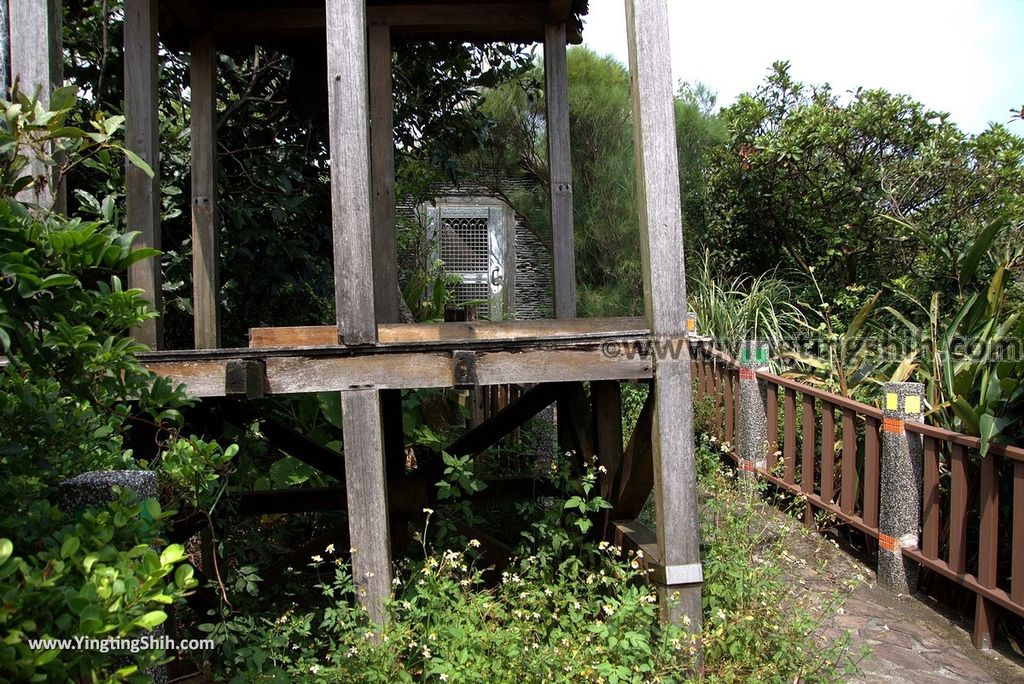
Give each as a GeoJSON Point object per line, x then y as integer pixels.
{"type": "Point", "coordinates": [910, 642]}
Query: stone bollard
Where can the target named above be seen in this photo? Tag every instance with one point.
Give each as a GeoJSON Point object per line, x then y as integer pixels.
{"type": "Point", "coordinates": [95, 489]}
{"type": "Point", "coordinates": [752, 435]}
{"type": "Point", "coordinates": [899, 513]}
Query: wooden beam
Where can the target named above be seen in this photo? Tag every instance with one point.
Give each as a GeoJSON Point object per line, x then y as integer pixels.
{"type": "Point", "coordinates": [501, 424]}
{"type": "Point", "coordinates": [556, 93]}
{"type": "Point", "coordinates": [665, 296]}
{"type": "Point", "coordinates": [607, 400]}
{"type": "Point", "coordinates": [367, 499]}
{"type": "Point", "coordinates": [142, 123]}
{"type": "Point", "coordinates": [348, 113]}
{"type": "Point", "coordinates": [382, 172]}
{"type": "Point", "coordinates": [36, 64]}
{"type": "Point", "coordinates": [205, 233]}
{"type": "Point", "coordinates": [635, 478]}
{"type": "Point", "coordinates": [452, 332]}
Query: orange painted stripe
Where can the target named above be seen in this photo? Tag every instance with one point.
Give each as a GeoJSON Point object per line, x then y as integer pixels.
{"type": "Point", "coordinates": [890, 544]}
{"type": "Point", "coordinates": [893, 425]}
{"type": "Point", "coordinates": [747, 374]}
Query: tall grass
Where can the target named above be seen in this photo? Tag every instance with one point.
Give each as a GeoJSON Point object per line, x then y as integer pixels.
{"type": "Point", "coordinates": [743, 307]}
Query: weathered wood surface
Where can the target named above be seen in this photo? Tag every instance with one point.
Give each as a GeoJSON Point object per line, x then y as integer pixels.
{"type": "Point", "coordinates": [290, 374]}
{"type": "Point", "coordinates": [205, 238]}
{"type": "Point", "coordinates": [36, 60]}
{"type": "Point", "coordinates": [142, 203]}
{"type": "Point", "coordinates": [607, 411]}
{"type": "Point", "coordinates": [661, 243]}
{"type": "Point", "coordinates": [382, 174]}
{"type": "Point", "coordinates": [632, 486]}
{"type": "Point", "coordinates": [450, 332]}
{"type": "Point", "coordinates": [556, 94]}
{"type": "Point", "coordinates": [366, 489]}
{"type": "Point", "coordinates": [349, 117]}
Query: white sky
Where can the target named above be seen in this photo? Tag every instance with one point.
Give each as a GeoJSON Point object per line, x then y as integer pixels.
{"type": "Point", "coordinates": [965, 57]}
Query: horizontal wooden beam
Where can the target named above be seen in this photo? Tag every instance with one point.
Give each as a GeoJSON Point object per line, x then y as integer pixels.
{"type": "Point", "coordinates": [459, 331]}
{"type": "Point", "coordinates": [292, 374]}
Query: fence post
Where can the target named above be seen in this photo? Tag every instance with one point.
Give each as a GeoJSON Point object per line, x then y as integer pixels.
{"type": "Point", "coordinates": [899, 514]}
{"type": "Point", "coordinates": [752, 435]}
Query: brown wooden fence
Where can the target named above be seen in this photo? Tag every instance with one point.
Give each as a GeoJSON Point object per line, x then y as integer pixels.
{"type": "Point", "coordinates": [827, 448]}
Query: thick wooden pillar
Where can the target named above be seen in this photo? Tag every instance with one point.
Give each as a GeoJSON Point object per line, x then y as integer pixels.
{"type": "Point", "coordinates": [665, 296]}
{"type": "Point", "coordinates": [142, 125]}
{"type": "Point", "coordinates": [354, 298]}
{"type": "Point", "coordinates": [556, 93]}
{"type": "Point", "coordinates": [36, 66]}
{"type": "Point", "coordinates": [205, 238]}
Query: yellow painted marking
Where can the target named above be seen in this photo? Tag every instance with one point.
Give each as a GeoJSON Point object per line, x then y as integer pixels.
{"type": "Point", "coordinates": [913, 404]}
{"type": "Point", "coordinates": [892, 401]}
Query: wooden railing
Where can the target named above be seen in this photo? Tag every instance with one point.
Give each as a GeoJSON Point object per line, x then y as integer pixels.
{"type": "Point", "coordinates": [827, 448]}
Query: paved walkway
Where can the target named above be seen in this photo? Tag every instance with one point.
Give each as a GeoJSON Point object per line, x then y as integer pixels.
{"type": "Point", "coordinates": [910, 642]}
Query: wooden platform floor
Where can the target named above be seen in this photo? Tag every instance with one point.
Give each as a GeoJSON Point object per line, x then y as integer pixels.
{"type": "Point", "coordinates": [407, 356]}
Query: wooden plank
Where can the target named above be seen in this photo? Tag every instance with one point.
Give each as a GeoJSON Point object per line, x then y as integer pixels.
{"type": "Point", "coordinates": [142, 125]}
{"type": "Point", "coordinates": [556, 365]}
{"type": "Point", "coordinates": [808, 456]}
{"type": "Point", "coordinates": [828, 451]}
{"type": "Point", "coordinates": [292, 375]}
{"type": "Point", "coordinates": [636, 475]}
{"type": "Point", "coordinates": [848, 486]}
{"type": "Point", "coordinates": [556, 94]}
{"type": "Point", "coordinates": [930, 499]}
{"type": "Point", "coordinates": [382, 174]}
{"type": "Point", "coordinates": [958, 496]}
{"type": "Point", "coordinates": [729, 408]}
{"type": "Point", "coordinates": [575, 418]}
{"type": "Point", "coordinates": [349, 125]}
{"type": "Point", "coordinates": [607, 398]}
{"type": "Point", "coordinates": [493, 429]}
{"type": "Point", "coordinates": [201, 378]}
{"type": "Point", "coordinates": [205, 233]}
{"type": "Point", "coordinates": [986, 613]}
{"type": "Point", "coordinates": [872, 470]}
{"type": "Point", "coordinates": [367, 497]}
{"type": "Point", "coordinates": [772, 394]}
{"type": "Point", "coordinates": [36, 63]}
{"type": "Point", "coordinates": [789, 436]}
{"type": "Point", "coordinates": [1017, 543]}
{"type": "Point", "coordinates": [454, 331]}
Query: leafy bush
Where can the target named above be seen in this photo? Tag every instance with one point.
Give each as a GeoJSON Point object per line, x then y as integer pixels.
{"type": "Point", "coordinates": [70, 388]}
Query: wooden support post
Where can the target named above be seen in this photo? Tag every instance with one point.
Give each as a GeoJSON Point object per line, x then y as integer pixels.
{"type": "Point", "coordinates": [385, 252]}
{"type": "Point", "coordinates": [556, 93]}
{"type": "Point", "coordinates": [382, 165]}
{"type": "Point", "coordinates": [36, 66]}
{"type": "Point", "coordinates": [607, 398]}
{"type": "Point", "coordinates": [664, 294]}
{"type": "Point", "coordinates": [365, 485]}
{"type": "Point", "coordinates": [354, 298]}
{"type": "Point", "coordinates": [205, 251]}
{"type": "Point", "coordinates": [348, 115]}
{"type": "Point", "coordinates": [142, 123]}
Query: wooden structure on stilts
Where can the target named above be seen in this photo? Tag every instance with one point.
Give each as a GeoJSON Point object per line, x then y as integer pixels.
{"type": "Point", "coordinates": [367, 355]}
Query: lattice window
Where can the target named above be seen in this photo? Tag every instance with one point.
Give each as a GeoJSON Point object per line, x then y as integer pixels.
{"type": "Point", "coordinates": [464, 247]}
{"type": "Point", "coordinates": [474, 292]}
